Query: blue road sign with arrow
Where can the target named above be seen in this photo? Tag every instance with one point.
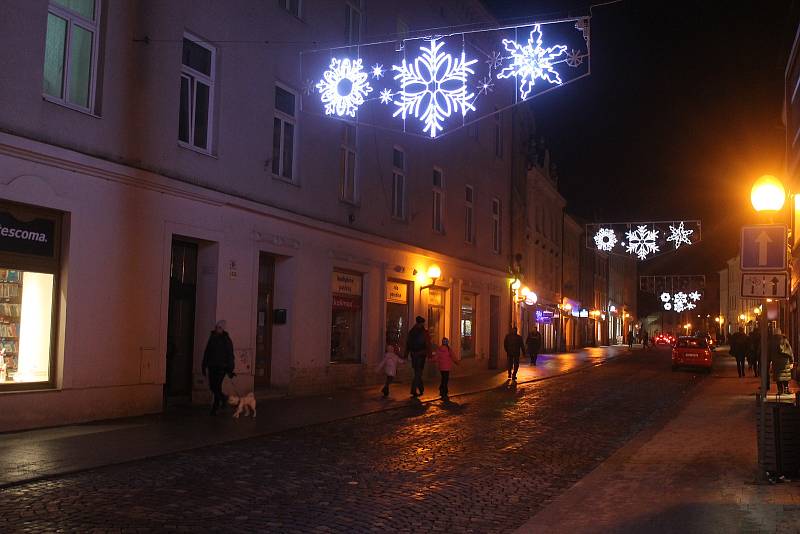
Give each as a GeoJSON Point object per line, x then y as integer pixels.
{"type": "Point", "coordinates": [764, 247]}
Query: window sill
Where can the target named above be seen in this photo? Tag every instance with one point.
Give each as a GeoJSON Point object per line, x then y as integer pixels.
{"type": "Point", "coordinates": [287, 181]}
{"type": "Point", "coordinates": [73, 107]}
{"type": "Point", "coordinates": [26, 387]}
{"type": "Point", "coordinates": [193, 148]}
{"type": "Point", "coordinates": [347, 362]}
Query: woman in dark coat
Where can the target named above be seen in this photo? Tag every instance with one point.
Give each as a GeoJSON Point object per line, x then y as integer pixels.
{"type": "Point", "coordinates": [781, 358]}
{"type": "Point", "coordinates": [218, 361]}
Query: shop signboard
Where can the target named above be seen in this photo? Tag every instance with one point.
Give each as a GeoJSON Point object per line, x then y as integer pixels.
{"type": "Point", "coordinates": [346, 283]}
{"type": "Point", "coordinates": [35, 236]}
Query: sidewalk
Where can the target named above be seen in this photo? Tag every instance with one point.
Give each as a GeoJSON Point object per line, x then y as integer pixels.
{"type": "Point", "coordinates": [34, 454]}
{"type": "Point", "coordinates": [695, 474]}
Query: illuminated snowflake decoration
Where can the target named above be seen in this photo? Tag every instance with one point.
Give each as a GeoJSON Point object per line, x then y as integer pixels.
{"type": "Point", "coordinates": [343, 87]}
{"type": "Point", "coordinates": [386, 96]}
{"type": "Point", "coordinates": [377, 71]}
{"type": "Point", "coordinates": [308, 87]}
{"type": "Point", "coordinates": [680, 301]}
{"type": "Point", "coordinates": [605, 239]}
{"type": "Point", "coordinates": [486, 86]}
{"type": "Point", "coordinates": [694, 295]}
{"type": "Point", "coordinates": [574, 58]}
{"type": "Point", "coordinates": [691, 306]}
{"type": "Point", "coordinates": [531, 62]}
{"type": "Point", "coordinates": [433, 87]}
{"type": "Point", "coordinates": [679, 235]}
{"type": "Point", "coordinates": [494, 61]}
{"type": "Point", "coordinates": [665, 297]}
{"type": "Point", "coordinates": [642, 242]}
{"type": "Point", "coordinates": [667, 306]}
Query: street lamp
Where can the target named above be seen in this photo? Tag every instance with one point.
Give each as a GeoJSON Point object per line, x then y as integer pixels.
{"type": "Point", "coordinates": [767, 194]}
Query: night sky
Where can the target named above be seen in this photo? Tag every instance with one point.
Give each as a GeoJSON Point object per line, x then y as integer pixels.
{"type": "Point", "coordinates": [681, 113]}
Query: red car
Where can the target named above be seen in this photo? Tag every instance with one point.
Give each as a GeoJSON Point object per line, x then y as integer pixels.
{"type": "Point", "coordinates": [665, 339]}
{"type": "Point", "coordinates": [691, 352]}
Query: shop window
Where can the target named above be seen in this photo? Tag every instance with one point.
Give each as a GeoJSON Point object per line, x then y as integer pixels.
{"type": "Point", "coordinates": [28, 280]}
{"type": "Point", "coordinates": [396, 313]}
{"type": "Point", "coordinates": [70, 55]}
{"type": "Point", "coordinates": [346, 317]}
{"type": "Point", "coordinates": [468, 324]}
{"type": "Point", "coordinates": [436, 316]}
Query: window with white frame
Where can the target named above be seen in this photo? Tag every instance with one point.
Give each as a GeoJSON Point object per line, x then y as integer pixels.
{"type": "Point", "coordinates": [70, 52]}
{"type": "Point", "coordinates": [469, 215]}
{"type": "Point", "coordinates": [498, 135]}
{"type": "Point", "coordinates": [496, 225]}
{"type": "Point", "coordinates": [347, 177]}
{"type": "Point", "coordinates": [197, 93]}
{"type": "Point", "coordinates": [283, 133]}
{"type": "Point", "coordinates": [438, 201]}
{"type": "Point", "coordinates": [292, 6]}
{"type": "Point", "coordinates": [398, 184]}
{"type": "Point", "coordinates": [352, 22]}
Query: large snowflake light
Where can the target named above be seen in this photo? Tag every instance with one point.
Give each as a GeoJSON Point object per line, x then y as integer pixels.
{"type": "Point", "coordinates": [679, 235]}
{"type": "Point", "coordinates": [532, 61]}
{"type": "Point", "coordinates": [434, 86]}
{"type": "Point", "coordinates": [680, 301]}
{"type": "Point", "coordinates": [605, 239]}
{"type": "Point", "coordinates": [343, 87]}
{"type": "Point", "coordinates": [642, 241]}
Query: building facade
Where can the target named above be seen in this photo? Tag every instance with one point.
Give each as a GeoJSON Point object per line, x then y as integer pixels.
{"type": "Point", "coordinates": [157, 174]}
{"type": "Point", "coordinates": [735, 311]}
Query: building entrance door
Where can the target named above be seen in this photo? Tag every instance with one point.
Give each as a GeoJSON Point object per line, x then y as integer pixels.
{"type": "Point", "coordinates": [180, 322]}
{"type": "Point", "coordinates": [265, 301]}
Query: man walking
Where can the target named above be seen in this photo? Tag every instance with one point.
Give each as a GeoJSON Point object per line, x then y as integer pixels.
{"type": "Point", "coordinates": [534, 344]}
{"type": "Point", "coordinates": [739, 347]}
{"type": "Point", "coordinates": [418, 345]}
{"type": "Point", "coordinates": [754, 352]}
{"type": "Point", "coordinates": [218, 360]}
{"type": "Point", "coordinates": [515, 346]}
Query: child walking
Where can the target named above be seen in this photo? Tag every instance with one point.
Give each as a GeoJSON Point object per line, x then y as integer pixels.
{"type": "Point", "coordinates": [389, 365]}
{"type": "Point", "coordinates": [445, 358]}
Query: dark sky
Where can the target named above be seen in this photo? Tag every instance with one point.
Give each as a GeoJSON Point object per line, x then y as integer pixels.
{"type": "Point", "coordinates": [681, 113]}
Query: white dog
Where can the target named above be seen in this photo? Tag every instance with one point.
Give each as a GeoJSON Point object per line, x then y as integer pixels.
{"type": "Point", "coordinates": [246, 404]}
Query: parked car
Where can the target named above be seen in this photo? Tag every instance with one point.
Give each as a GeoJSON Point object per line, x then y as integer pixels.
{"type": "Point", "coordinates": [691, 352]}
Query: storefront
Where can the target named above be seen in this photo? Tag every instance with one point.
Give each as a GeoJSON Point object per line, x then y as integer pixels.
{"type": "Point", "coordinates": [436, 321]}
{"type": "Point", "coordinates": [346, 317]}
{"type": "Point", "coordinates": [29, 270]}
{"type": "Point", "coordinates": [397, 315]}
{"type": "Point", "coordinates": [467, 324]}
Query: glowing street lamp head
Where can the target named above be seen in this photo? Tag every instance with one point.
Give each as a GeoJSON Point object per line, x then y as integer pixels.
{"type": "Point", "coordinates": [516, 284]}
{"type": "Point", "coordinates": [767, 194]}
{"type": "Point", "coordinates": [434, 272]}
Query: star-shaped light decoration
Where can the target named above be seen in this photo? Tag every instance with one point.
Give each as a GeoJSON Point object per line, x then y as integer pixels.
{"type": "Point", "coordinates": [386, 96]}
{"type": "Point", "coordinates": [485, 86]}
{"type": "Point", "coordinates": [308, 87]}
{"type": "Point", "coordinates": [574, 58]}
{"type": "Point", "coordinates": [494, 61]}
{"type": "Point", "coordinates": [679, 235]}
{"type": "Point", "coordinates": [377, 71]}
{"type": "Point", "coordinates": [694, 295]}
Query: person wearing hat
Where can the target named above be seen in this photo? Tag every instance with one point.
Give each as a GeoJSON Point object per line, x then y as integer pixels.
{"type": "Point", "coordinates": [418, 345]}
{"type": "Point", "coordinates": [218, 361]}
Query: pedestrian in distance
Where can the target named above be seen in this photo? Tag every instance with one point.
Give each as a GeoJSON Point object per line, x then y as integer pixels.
{"type": "Point", "coordinates": [389, 365]}
{"type": "Point", "coordinates": [445, 358]}
{"type": "Point", "coordinates": [533, 343]}
{"type": "Point", "coordinates": [781, 358]}
{"type": "Point", "coordinates": [514, 346]}
{"type": "Point", "coordinates": [739, 344]}
{"type": "Point", "coordinates": [754, 352]}
{"type": "Point", "coordinates": [630, 339]}
{"type": "Point", "coordinates": [218, 361]}
{"type": "Point", "coordinates": [418, 346]}
{"type": "Point", "coordinates": [645, 340]}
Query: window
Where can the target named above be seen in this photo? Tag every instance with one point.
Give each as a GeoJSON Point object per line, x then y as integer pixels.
{"type": "Point", "coordinates": [346, 317]}
{"type": "Point", "coordinates": [496, 225]}
{"type": "Point", "coordinates": [438, 201]}
{"type": "Point", "coordinates": [70, 52]}
{"type": "Point", "coordinates": [292, 6]}
{"type": "Point", "coordinates": [283, 132]}
{"type": "Point", "coordinates": [197, 94]}
{"type": "Point", "coordinates": [347, 178]}
{"type": "Point", "coordinates": [397, 313]}
{"type": "Point", "coordinates": [468, 324]}
{"type": "Point", "coordinates": [29, 248]}
{"type": "Point", "coordinates": [469, 215]}
{"type": "Point", "coordinates": [498, 135]}
{"type": "Point", "coordinates": [398, 184]}
{"type": "Point", "coordinates": [352, 22]}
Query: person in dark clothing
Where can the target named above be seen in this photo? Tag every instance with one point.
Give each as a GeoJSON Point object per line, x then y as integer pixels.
{"type": "Point", "coordinates": [418, 345]}
{"type": "Point", "coordinates": [515, 347]}
{"type": "Point", "coordinates": [739, 344]}
{"type": "Point", "coordinates": [754, 352]}
{"type": "Point", "coordinates": [533, 343]}
{"type": "Point", "coordinates": [645, 340]}
{"type": "Point", "coordinates": [630, 339]}
{"type": "Point", "coordinates": [781, 358]}
{"type": "Point", "coordinates": [218, 361]}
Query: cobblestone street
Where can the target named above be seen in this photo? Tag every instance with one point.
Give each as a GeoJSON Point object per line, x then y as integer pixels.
{"type": "Point", "coordinates": [485, 463]}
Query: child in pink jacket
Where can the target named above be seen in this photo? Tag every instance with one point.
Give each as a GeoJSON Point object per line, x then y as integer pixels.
{"type": "Point", "coordinates": [445, 358]}
{"type": "Point", "coordinates": [389, 365]}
